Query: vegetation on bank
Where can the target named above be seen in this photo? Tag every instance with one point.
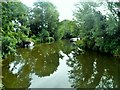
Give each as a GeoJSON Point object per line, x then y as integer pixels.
{"type": "Point", "coordinates": [99, 30]}
{"type": "Point", "coordinates": [41, 24]}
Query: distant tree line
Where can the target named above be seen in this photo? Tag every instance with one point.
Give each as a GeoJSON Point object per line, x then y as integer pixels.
{"type": "Point", "coordinates": [41, 24]}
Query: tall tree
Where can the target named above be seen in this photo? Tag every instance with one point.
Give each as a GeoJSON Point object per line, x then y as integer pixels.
{"type": "Point", "coordinates": [98, 31]}
{"type": "Point", "coordinates": [84, 16]}
{"type": "Point", "coordinates": [44, 19]}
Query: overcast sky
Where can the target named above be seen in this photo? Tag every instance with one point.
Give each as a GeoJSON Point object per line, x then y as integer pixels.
{"type": "Point", "coordinates": [64, 7]}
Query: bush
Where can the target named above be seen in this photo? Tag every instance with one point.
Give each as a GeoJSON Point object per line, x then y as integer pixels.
{"type": "Point", "coordinates": [117, 51]}
{"type": "Point", "coordinates": [80, 43]}
{"type": "Point", "coordinates": [8, 46]}
{"type": "Point", "coordinates": [49, 39]}
{"type": "Point", "coordinates": [39, 40]}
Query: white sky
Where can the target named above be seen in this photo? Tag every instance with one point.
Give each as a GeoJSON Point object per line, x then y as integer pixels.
{"type": "Point", "coordinates": [64, 7]}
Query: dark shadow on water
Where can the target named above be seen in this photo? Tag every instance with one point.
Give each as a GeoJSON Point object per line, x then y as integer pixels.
{"type": "Point", "coordinates": [88, 70]}
{"type": "Point", "coordinates": [94, 70]}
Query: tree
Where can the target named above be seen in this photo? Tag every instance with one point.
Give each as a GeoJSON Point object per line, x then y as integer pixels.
{"type": "Point", "coordinates": [14, 26]}
{"type": "Point", "coordinates": [44, 19]}
{"type": "Point", "coordinates": [66, 29]}
{"type": "Point", "coordinates": [98, 31]}
{"type": "Point", "coordinates": [85, 19]}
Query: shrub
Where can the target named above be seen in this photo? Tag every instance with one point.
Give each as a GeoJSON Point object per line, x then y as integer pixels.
{"type": "Point", "coordinates": [117, 51]}
{"type": "Point", "coordinates": [49, 39]}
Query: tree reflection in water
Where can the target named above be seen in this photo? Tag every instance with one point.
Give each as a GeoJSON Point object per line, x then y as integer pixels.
{"type": "Point", "coordinates": [42, 61]}
{"type": "Point", "coordinates": [88, 70]}
{"type": "Point", "coordinates": [92, 70]}
{"type": "Point", "coordinates": [15, 77]}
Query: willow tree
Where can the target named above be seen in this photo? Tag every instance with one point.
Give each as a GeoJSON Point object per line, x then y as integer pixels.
{"type": "Point", "coordinates": [85, 19]}
{"type": "Point", "coordinates": [99, 31]}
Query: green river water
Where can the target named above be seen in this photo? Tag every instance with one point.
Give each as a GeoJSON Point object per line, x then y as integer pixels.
{"type": "Point", "coordinates": [55, 66]}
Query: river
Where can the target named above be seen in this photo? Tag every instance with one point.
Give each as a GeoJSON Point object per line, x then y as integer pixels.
{"type": "Point", "coordinates": [55, 66]}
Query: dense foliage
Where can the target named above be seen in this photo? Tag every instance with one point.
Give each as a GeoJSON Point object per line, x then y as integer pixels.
{"type": "Point", "coordinates": [99, 31]}
{"type": "Point", "coordinates": [40, 23]}
{"type": "Point", "coordinates": [43, 21]}
{"type": "Point", "coordinates": [14, 26]}
{"type": "Point", "coordinates": [67, 29]}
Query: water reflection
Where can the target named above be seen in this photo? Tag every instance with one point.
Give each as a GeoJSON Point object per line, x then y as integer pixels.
{"type": "Point", "coordinates": [58, 79]}
{"type": "Point", "coordinates": [41, 61]}
{"type": "Point", "coordinates": [92, 70]}
{"type": "Point", "coordinates": [107, 81]}
{"type": "Point", "coordinates": [46, 64]}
